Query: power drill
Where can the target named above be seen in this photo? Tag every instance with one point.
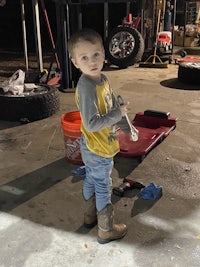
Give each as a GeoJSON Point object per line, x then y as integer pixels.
{"type": "Point", "coordinates": [127, 184]}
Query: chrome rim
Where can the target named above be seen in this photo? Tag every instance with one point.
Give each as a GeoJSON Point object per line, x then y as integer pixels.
{"type": "Point", "coordinates": [122, 45]}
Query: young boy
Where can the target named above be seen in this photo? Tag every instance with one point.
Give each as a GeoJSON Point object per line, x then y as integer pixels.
{"type": "Point", "coordinates": [99, 113]}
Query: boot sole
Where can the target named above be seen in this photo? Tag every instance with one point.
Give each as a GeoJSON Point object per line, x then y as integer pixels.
{"type": "Point", "coordinates": [105, 241]}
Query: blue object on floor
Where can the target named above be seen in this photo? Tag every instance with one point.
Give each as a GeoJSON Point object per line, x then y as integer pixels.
{"type": "Point", "coordinates": [151, 191]}
{"type": "Point", "coordinates": [79, 171]}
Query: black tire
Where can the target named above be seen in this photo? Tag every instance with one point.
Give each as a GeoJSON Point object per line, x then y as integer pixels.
{"type": "Point", "coordinates": [189, 72]}
{"type": "Point", "coordinates": [183, 53]}
{"type": "Point", "coordinates": [124, 46]}
{"type": "Point", "coordinates": [39, 104]}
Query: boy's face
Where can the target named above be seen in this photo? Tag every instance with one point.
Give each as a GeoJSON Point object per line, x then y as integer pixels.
{"type": "Point", "coordinates": [89, 58]}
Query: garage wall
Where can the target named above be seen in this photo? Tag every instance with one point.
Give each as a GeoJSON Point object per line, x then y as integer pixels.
{"type": "Point", "coordinates": [11, 37]}
{"type": "Point", "coordinates": [10, 30]}
{"type": "Point", "coordinates": [11, 26]}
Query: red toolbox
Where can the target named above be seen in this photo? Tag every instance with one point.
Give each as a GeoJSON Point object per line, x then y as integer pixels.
{"type": "Point", "coordinates": [153, 127]}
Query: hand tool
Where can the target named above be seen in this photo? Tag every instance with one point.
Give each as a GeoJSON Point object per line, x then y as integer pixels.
{"type": "Point", "coordinates": [127, 184]}
{"type": "Point", "coordinates": [134, 132]}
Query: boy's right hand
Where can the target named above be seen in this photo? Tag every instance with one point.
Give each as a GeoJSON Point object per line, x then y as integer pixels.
{"type": "Point", "coordinates": [122, 105]}
{"type": "Point", "coordinates": [123, 109]}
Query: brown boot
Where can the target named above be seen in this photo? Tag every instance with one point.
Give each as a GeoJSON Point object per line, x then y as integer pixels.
{"type": "Point", "coordinates": [90, 212]}
{"type": "Point", "coordinates": [107, 231]}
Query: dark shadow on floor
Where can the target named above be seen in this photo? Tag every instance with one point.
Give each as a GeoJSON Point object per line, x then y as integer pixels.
{"type": "Point", "coordinates": [8, 124]}
{"type": "Point", "coordinates": [142, 205]}
{"type": "Point", "coordinates": [176, 84]}
{"type": "Point", "coordinates": [125, 166]}
{"type": "Point", "coordinates": [132, 193]}
{"type": "Point", "coordinates": [28, 186]}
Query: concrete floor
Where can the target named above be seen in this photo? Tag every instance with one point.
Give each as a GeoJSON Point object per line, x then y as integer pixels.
{"type": "Point", "coordinates": [41, 201]}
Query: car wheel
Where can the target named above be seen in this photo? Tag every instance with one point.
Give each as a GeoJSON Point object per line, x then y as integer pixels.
{"type": "Point", "coordinates": [124, 46]}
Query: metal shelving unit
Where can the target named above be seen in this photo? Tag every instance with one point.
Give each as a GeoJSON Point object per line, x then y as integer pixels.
{"type": "Point", "coordinates": [190, 15]}
{"type": "Point", "coordinates": [188, 11]}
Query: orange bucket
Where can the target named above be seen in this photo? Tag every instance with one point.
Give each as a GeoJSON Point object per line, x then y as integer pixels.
{"type": "Point", "coordinates": [71, 123]}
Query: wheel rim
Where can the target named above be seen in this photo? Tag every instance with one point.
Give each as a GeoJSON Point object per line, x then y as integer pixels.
{"type": "Point", "coordinates": [122, 45]}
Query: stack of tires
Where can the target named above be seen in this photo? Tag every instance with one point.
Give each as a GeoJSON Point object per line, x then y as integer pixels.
{"type": "Point", "coordinates": [189, 72]}
{"type": "Point", "coordinates": [40, 103]}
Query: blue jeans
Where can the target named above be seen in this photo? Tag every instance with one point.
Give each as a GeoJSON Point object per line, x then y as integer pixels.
{"type": "Point", "coordinates": [97, 181]}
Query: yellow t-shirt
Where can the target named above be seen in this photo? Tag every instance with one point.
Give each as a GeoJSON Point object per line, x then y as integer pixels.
{"type": "Point", "coordinates": [99, 113]}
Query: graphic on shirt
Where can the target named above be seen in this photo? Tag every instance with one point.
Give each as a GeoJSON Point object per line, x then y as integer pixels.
{"type": "Point", "coordinates": [108, 102]}
{"type": "Point", "coordinates": [112, 135]}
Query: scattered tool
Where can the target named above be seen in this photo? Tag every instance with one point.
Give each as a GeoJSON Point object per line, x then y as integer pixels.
{"type": "Point", "coordinates": [50, 32]}
{"type": "Point", "coordinates": [133, 130]}
{"type": "Point", "coordinates": [51, 77]}
{"type": "Point", "coordinates": [155, 63]}
{"type": "Point", "coordinates": [127, 184]}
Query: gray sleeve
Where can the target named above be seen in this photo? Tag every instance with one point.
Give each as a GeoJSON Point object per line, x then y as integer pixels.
{"type": "Point", "coordinates": [87, 98]}
{"type": "Point", "coordinates": [123, 125]}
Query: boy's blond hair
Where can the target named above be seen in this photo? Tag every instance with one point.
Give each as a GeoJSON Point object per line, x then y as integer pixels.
{"type": "Point", "coordinates": [85, 34]}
